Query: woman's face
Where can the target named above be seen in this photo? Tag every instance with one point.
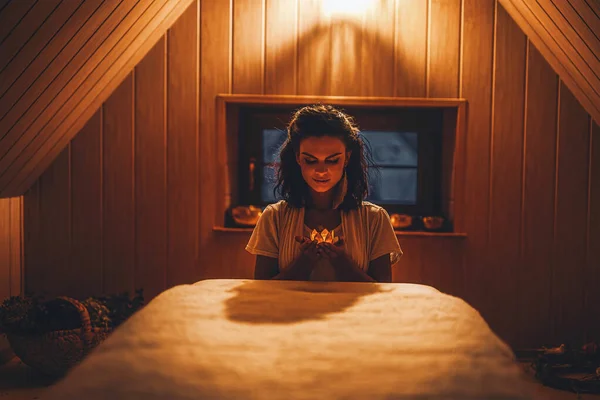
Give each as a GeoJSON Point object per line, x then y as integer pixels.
{"type": "Point", "coordinates": [322, 161]}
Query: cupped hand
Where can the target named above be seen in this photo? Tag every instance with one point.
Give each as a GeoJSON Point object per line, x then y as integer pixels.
{"type": "Point", "coordinates": [309, 248]}
{"type": "Point", "coordinates": [333, 250]}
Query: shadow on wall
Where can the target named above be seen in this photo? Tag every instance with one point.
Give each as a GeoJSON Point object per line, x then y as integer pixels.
{"type": "Point", "coordinates": [288, 302]}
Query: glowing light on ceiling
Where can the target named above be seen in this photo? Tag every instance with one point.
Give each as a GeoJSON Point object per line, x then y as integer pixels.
{"type": "Point", "coordinates": [350, 8]}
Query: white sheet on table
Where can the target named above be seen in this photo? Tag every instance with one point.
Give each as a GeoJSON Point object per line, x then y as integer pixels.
{"type": "Point", "coordinates": [236, 339]}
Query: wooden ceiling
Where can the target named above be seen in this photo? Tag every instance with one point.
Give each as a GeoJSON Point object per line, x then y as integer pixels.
{"type": "Point", "coordinates": [567, 34]}
{"type": "Point", "coordinates": [59, 61]}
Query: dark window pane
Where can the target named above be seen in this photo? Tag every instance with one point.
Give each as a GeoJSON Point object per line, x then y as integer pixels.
{"type": "Point", "coordinates": [393, 186]}
{"type": "Point", "coordinates": [268, 185]}
{"type": "Point", "coordinates": [393, 148]}
{"type": "Point", "coordinates": [272, 141]}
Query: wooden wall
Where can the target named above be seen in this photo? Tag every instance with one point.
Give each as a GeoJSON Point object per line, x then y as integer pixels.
{"type": "Point", "coordinates": [11, 224]}
{"type": "Point", "coordinates": [130, 202]}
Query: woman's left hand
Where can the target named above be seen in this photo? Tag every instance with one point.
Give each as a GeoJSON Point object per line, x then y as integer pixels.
{"type": "Point", "coordinates": [333, 251]}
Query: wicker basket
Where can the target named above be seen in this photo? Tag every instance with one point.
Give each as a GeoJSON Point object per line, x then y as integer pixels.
{"type": "Point", "coordinates": [53, 353]}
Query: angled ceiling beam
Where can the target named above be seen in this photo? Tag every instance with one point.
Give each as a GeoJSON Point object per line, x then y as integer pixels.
{"type": "Point", "coordinates": [566, 33]}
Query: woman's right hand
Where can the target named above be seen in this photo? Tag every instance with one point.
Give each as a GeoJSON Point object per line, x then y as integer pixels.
{"type": "Point", "coordinates": [309, 248]}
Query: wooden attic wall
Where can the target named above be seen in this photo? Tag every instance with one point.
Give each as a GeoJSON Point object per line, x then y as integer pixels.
{"type": "Point", "coordinates": [567, 33]}
{"type": "Point", "coordinates": [59, 61]}
{"type": "Point", "coordinates": [130, 202]}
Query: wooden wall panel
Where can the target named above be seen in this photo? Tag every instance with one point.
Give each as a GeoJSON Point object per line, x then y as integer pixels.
{"type": "Point", "coordinates": [55, 223]}
{"type": "Point", "coordinates": [477, 61]}
{"type": "Point", "coordinates": [248, 50]}
{"type": "Point", "coordinates": [539, 158]}
{"type": "Point", "coordinates": [215, 73]}
{"type": "Point", "coordinates": [281, 46]}
{"type": "Point", "coordinates": [592, 276]}
{"type": "Point", "coordinates": [314, 49]}
{"type": "Point", "coordinates": [151, 172]}
{"type": "Point", "coordinates": [444, 48]}
{"type": "Point", "coordinates": [86, 208]}
{"type": "Point", "coordinates": [10, 247]}
{"type": "Point", "coordinates": [118, 210]}
{"type": "Point", "coordinates": [506, 177]}
{"type": "Point", "coordinates": [377, 50]}
{"type": "Point", "coordinates": [345, 51]}
{"type": "Point", "coordinates": [411, 56]}
{"type": "Point", "coordinates": [182, 158]}
{"type": "Point", "coordinates": [570, 219]}
{"type": "Point", "coordinates": [151, 236]}
{"type": "Point", "coordinates": [4, 249]}
{"type": "Point", "coordinates": [16, 246]}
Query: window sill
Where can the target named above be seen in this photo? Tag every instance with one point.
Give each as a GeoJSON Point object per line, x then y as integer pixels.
{"type": "Point", "coordinates": [457, 235]}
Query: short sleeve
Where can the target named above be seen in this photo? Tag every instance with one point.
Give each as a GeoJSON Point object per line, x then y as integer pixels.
{"type": "Point", "coordinates": [383, 238]}
{"type": "Point", "coordinates": [265, 239]}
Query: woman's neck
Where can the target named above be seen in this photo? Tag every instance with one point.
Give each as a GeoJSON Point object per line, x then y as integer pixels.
{"type": "Point", "coordinates": [321, 201]}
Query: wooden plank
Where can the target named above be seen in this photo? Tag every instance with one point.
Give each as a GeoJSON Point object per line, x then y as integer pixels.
{"type": "Point", "coordinates": [411, 48]}
{"type": "Point", "coordinates": [442, 264]}
{"type": "Point", "coordinates": [409, 268]}
{"type": "Point", "coordinates": [80, 110]}
{"type": "Point", "coordinates": [570, 220]}
{"type": "Point", "coordinates": [593, 251]}
{"type": "Point", "coordinates": [53, 278]}
{"type": "Point", "coordinates": [314, 49]}
{"type": "Point", "coordinates": [281, 46]}
{"type": "Point", "coordinates": [214, 79]}
{"type": "Point", "coordinates": [32, 48]}
{"type": "Point", "coordinates": [587, 52]}
{"type": "Point", "coordinates": [578, 24]}
{"type": "Point", "coordinates": [22, 116]}
{"type": "Point", "coordinates": [538, 201]}
{"type": "Point", "coordinates": [506, 176]}
{"type": "Point", "coordinates": [11, 16]}
{"type": "Point", "coordinates": [444, 48]}
{"type": "Point", "coordinates": [586, 12]}
{"type": "Point", "coordinates": [32, 251]}
{"type": "Point", "coordinates": [86, 208]}
{"type": "Point", "coordinates": [16, 246]}
{"type": "Point", "coordinates": [248, 42]}
{"type": "Point", "coordinates": [182, 136]}
{"type": "Point", "coordinates": [55, 56]}
{"type": "Point", "coordinates": [118, 210]}
{"type": "Point", "coordinates": [150, 172]}
{"type": "Point", "coordinates": [346, 46]}
{"type": "Point", "coordinates": [25, 30]}
{"type": "Point", "coordinates": [477, 68]}
{"type": "Point", "coordinates": [4, 248]}
{"type": "Point", "coordinates": [377, 53]}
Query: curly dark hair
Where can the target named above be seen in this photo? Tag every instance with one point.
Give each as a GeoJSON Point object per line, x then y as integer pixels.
{"type": "Point", "coordinates": [317, 121]}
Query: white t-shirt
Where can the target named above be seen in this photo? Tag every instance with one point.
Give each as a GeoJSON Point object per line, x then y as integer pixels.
{"type": "Point", "coordinates": [368, 234]}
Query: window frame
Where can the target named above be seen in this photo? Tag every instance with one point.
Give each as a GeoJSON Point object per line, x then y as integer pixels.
{"type": "Point", "coordinates": [453, 142]}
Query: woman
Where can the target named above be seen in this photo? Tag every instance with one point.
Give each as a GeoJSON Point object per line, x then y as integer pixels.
{"type": "Point", "coordinates": [322, 177]}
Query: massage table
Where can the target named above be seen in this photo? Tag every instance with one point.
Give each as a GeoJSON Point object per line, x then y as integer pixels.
{"type": "Point", "coordinates": [246, 339]}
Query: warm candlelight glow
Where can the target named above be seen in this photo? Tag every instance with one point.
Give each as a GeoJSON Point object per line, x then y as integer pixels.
{"type": "Point", "coordinates": [323, 236]}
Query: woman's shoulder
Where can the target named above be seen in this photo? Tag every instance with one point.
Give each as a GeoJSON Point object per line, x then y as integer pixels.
{"type": "Point", "coordinates": [275, 210]}
{"type": "Point", "coordinates": [369, 209]}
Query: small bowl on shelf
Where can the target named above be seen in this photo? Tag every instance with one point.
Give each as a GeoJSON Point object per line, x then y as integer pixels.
{"type": "Point", "coordinates": [433, 223]}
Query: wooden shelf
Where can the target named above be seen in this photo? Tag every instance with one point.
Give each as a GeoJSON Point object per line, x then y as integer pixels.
{"type": "Point", "coordinates": [398, 233]}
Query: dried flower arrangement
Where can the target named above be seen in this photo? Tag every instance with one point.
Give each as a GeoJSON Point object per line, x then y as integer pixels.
{"type": "Point", "coordinates": [34, 315]}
